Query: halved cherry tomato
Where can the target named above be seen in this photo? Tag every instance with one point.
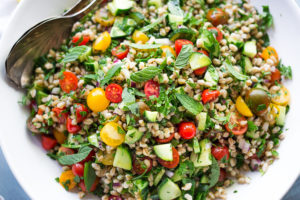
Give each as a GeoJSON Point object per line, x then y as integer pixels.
{"type": "Point", "coordinates": [93, 187]}
{"type": "Point", "coordinates": [65, 150]}
{"type": "Point", "coordinates": [113, 93]}
{"type": "Point", "coordinates": [270, 52]}
{"type": "Point", "coordinates": [217, 33]}
{"type": "Point", "coordinates": [80, 40]}
{"type": "Point", "coordinates": [275, 75]}
{"type": "Point", "coordinates": [222, 176]}
{"type": "Point", "coordinates": [59, 136]}
{"type": "Point", "coordinates": [187, 130]}
{"type": "Point", "coordinates": [173, 163]}
{"type": "Point", "coordinates": [48, 142]}
{"type": "Point", "coordinates": [217, 16]}
{"type": "Point", "coordinates": [113, 197]}
{"type": "Point", "coordinates": [165, 140]}
{"type": "Point", "coordinates": [89, 157]}
{"type": "Point", "coordinates": [96, 100]}
{"type": "Point", "coordinates": [61, 113]}
{"type": "Point", "coordinates": [151, 88]}
{"type": "Point", "coordinates": [68, 82]}
{"type": "Point", "coordinates": [220, 152]}
{"type": "Point", "coordinates": [102, 42]}
{"type": "Point", "coordinates": [209, 95]}
{"type": "Point", "coordinates": [139, 37]}
{"type": "Point", "coordinates": [202, 70]}
{"type": "Point", "coordinates": [179, 43]}
{"type": "Point", "coordinates": [66, 180]}
{"type": "Point", "coordinates": [281, 97]}
{"type": "Point", "coordinates": [204, 52]}
{"type": "Point", "coordinates": [72, 128]}
{"type": "Point", "coordinates": [234, 126]}
{"type": "Point", "coordinates": [140, 165]}
{"type": "Point", "coordinates": [120, 51]}
{"type": "Point", "coordinates": [81, 112]}
{"type": "Point", "coordinates": [78, 169]}
{"type": "Point", "coordinates": [111, 135]}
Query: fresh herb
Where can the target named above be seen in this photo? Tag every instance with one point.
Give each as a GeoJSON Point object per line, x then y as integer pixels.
{"type": "Point", "coordinates": [76, 53]}
{"type": "Point", "coordinates": [75, 158]}
{"type": "Point", "coordinates": [184, 55]}
{"type": "Point", "coordinates": [210, 42]}
{"type": "Point", "coordinates": [89, 176]}
{"type": "Point", "coordinates": [252, 127]}
{"type": "Point", "coordinates": [152, 25]}
{"type": "Point", "coordinates": [223, 119]}
{"type": "Point", "coordinates": [189, 103]}
{"type": "Point", "coordinates": [145, 74]}
{"type": "Point", "coordinates": [121, 131]}
{"type": "Point", "coordinates": [23, 101]}
{"type": "Point", "coordinates": [214, 174]}
{"type": "Point", "coordinates": [129, 101]}
{"type": "Point", "coordinates": [239, 160]}
{"type": "Point", "coordinates": [143, 46]}
{"type": "Point", "coordinates": [111, 73]}
{"type": "Point", "coordinates": [266, 19]}
{"type": "Point", "coordinates": [185, 168]}
{"type": "Point", "coordinates": [76, 179]}
{"type": "Point", "coordinates": [233, 71]}
{"type": "Point", "coordinates": [285, 71]}
{"type": "Point", "coordinates": [261, 107]}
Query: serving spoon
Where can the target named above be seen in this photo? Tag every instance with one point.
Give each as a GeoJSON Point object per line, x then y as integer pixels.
{"type": "Point", "coordinates": [39, 39]}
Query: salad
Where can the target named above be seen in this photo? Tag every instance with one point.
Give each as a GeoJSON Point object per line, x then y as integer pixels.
{"type": "Point", "coordinates": [173, 99]}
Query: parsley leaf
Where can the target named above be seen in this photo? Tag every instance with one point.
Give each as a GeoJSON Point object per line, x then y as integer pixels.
{"type": "Point", "coordinates": [78, 52]}
{"type": "Point", "coordinates": [286, 71]}
{"type": "Point", "coordinates": [75, 158]}
{"type": "Point", "coordinates": [152, 25]}
{"type": "Point", "coordinates": [184, 55]}
{"type": "Point", "coordinates": [111, 73]}
{"type": "Point", "coordinates": [266, 19]}
{"type": "Point", "coordinates": [252, 127]}
{"type": "Point", "coordinates": [189, 103]}
{"type": "Point", "coordinates": [145, 74]}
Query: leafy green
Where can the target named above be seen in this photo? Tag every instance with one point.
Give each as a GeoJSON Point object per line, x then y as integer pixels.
{"type": "Point", "coordinates": [185, 168]}
{"type": "Point", "coordinates": [129, 101]}
{"type": "Point", "coordinates": [215, 173]}
{"type": "Point", "coordinates": [233, 71]}
{"type": "Point", "coordinates": [266, 19]}
{"type": "Point", "coordinates": [125, 24]}
{"type": "Point", "coordinates": [154, 24]}
{"type": "Point", "coordinates": [189, 103]}
{"type": "Point", "coordinates": [143, 46]}
{"type": "Point", "coordinates": [111, 73]}
{"type": "Point", "coordinates": [145, 74]}
{"type": "Point", "coordinates": [89, 175]}
{"type": "Point", "coordinates": [239, 160]}
{"type": "Point", "coordinates": [184, 55]}
{"type": "Point", "coordinates": [75, 158]}
{"type": "Point", "coordinates": [252, 127]}
{"type": "Point", "coordinates": [286, 71]}
{"type": "Point", "coordinates": [210, 42]}
{"type": "Point", "coordinates": [78, 52]}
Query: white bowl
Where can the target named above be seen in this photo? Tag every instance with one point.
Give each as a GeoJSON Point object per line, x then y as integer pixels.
{"type": "Point", "coordinates": [36, 172]}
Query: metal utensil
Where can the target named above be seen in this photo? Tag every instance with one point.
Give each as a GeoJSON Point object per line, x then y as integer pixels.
{"type": "Point", "coordinates": [42, 37]}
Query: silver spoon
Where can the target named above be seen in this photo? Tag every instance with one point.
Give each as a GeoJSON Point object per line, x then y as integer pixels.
{"type": "Point", "coordinates": [42, 37]}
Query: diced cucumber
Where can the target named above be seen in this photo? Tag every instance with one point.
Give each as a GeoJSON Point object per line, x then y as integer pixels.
{"type": "Point", "coordinates": [138, 17]}
{"type": "Point", "coordinates": [85, 55]}
{"type": "Point", "coordinates": [92, 66]}
{"type": "Point", "coordinates": [93, 140]}
{"type": "Point", "coordinates": [159, 176]}
{"type": "Point", "coordinates": [116, 32]}
{"type": "Point", "coordinates": [252, 134]}
{"type": "Point", "coordinates": [151, 116]}
{"type": "Point", "coordinates": [280, 120]}
{"type": "Point", "coordinates": [247, 64]}
{"type": "Point", "coordinates": [196, 145]}
{"type": "Point", "coordinates": [156, 3]}
{"type": "Point", "coordinates": [122, 27]}
{"type": "Point", "coordinates": [204, 158]}
{"type": "Point", "coordinates": [211, 75]}
{"type": "Point", "coordinates": [39, 96]}
{"type": "Point", "coordinates": [199, 60]}
{"type": "Point", "coordinates": [201, 119]}
{"type": "Point", "coordinates": [238, 43]}
{"type": "Point", "coordinates": [208, 42]}
{"type": "Point", "coordinates": [183, 33]}
{"type": "Point", "coordinates": [175, 21]}
{"type": "Point", "coordinates": [204, 179]}
{"type": "Point", "coordinates": [117, 7]}
{"type": "Point", "coordinates": [250, 49]}
{"type": "Point", "coordinates": [132, 136]}
{"type": "Point", "coordinates": [168, 190]}
{"type": "Point", "coordinates": [122, 158]}
{"type": "Point", "coordinates": [164, 151]}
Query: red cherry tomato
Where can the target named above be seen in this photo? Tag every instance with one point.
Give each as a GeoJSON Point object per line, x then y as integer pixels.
{"type": "Point", "coordinates": [204, 52]}
{"type": "Point", "coordinates": [173, 163]}
{"type": "Point", "coordinates": [151, 88]}
{"type": "Point", "coordinates": [81, 112]}
{"type": "Point", "coordinates": [89, 157]}
{"type": "Point", "coordinates": [187, 130]}
{"type": "Point", "coordinates": [61, 114]}
{"type": "Point", "coordinates": [140, 166]}
{"type": "Point", "coordinates": [179, 43]}
{"type": "Point", "coordinates": [93, 187]}
{"type": "Point", "coordinates": [66, 151]}
{"type": "Point", "coordinates": [120, 51]}
{"type": "Point", "coordinates": [78, 169]}
{"type": "Point", "coordinates": [275, 75]}
{"type": "Point", "coordinates": [217, 33]}
{"type": "Point", "coordinates": [68, 82]}
{"type": "Point", "coordinates": [222, 176]}
{"type": "Point", "coordinates": [165, 140]}
{"type": "Point", "coordinates": [113, 197]}
{"type": "Point", "coordinates": [48, 142]}
{"type": "Point", "coordinates": [113, 93]}
{"type": "Point", "coordinates": [209, 95]}
{"type": "Point", "coordinates": [72, 128]}
{"type": "Point", "coordinates": [220, 152]}
{"type": "Point", "coordinates": [234, 126]}
{"type": "Point", "coordinates": [81, 40]}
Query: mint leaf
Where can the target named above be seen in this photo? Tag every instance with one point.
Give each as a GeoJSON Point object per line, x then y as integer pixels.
{"type": "Point", "coordinates": [214, 174]}
{"type": "Point", "coordinates": [145, 74]}
{"type": "Point", "coordinates": [233, 71]}
{"type": "Point", "coordinates": [143, 46]}
{"type": "Point", "coordinates": [189, 103]}
{"type": "Point", "coordinates": [89, 175]}
{"type": "Point", "coordinates": [79, 52]}
{"type": "Point", "coordinates": [111, 73]}
{"type": "Point", "coordinates": [184, 56]}
{"type": "Point", "coordinates": [152, 25]}
{"type": "Point", "coordinates": [75, 158]}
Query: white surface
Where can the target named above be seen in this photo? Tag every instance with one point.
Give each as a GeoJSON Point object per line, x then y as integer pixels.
{"type": "Point", "coordinates": [6, 8]}
{"type": "Point", "coordinates": [36, 172]}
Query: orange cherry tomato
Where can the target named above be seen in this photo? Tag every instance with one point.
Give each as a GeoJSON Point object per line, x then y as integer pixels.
{"type": "Point", "coordinates": [234, 126]}
{"type": "Point", "coordinates": [68, 82]}
{"type": "Point", "coordinates": [113, 93]}
{"type": "Point", "coordinates": [165, 140]}
{"type": "Point", "coordinates": [173, 163]}
{"type": "Point", "coordinates": [217, 33]}
{"type": "Point", "coordinates": [270, 52]}
{"type": "Point", "coordinates": [80, 40]}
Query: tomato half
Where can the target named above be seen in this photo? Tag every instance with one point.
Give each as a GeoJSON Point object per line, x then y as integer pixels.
{"type": "Point", "coordinates": [220, 152]}
{"type": "Point", "coordinates": [72, 128]}
{"type": "Point", "coordinates": [80, 40]}
{"type": "Point", "coordinates": [151, 88]}
{"type": "Point", "coordinates": [234, 126]}
{"type": "Point", "coordinates": [270, 52]}
{"type": "Point", "coordinates": [48, 142]}
{"type": "Point", "coordinates": [217, 33]}
{"type": "Point", "coordinates": [65, 150]}
{"type": "Point", "coordinates": [217, 16]}
{"type": "Point", "coordinates": [93, 187]}
{"type": "Point", "coordinates": [165, 140]}
{"type": "Point", "coordinates": [173, 163]}
{"type": "Point", "coordinates": [68, 82]}
{"type": "Point", "coordinates": [61, 114]}
{"type": "Point", "coordinates": [275, 75]}
{"type": "Point", "coordinates": [81, 112]}
{"type": "Point", "coordinates": [120, 51]}
{"type": "Point", "coordinates": [78, 169]}
{"type": "Point", "coordinates": [113, 93]}
{"type": "Point", "coordinates": [187, 130]}
{"type": "Point", "coordinates": [140, 165]}
{"type": "Point", "coordinates": [179, 43]}
{"type": "Point", "coordinates": [209, 95]}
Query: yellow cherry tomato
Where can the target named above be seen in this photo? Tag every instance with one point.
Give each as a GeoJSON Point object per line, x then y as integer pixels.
{"type": "Point", "coordinates": [115, 118]}
{"type": "Point", "coordinates": [59, 136]}
{"type": "Point", "coordinates": [139, 37]}
{"type": "Point", "coordinates": [104, 18]}
{"type": "Point", "coordinates": [66, 179]}
{"type": "Point", "coordinates": [102, 42]}
{"type": "Point", "coordinates": [270, 52]}
{"type": "Point", "coordinates": [108, 158]}
{"type": "Point", "coordinates": [166, 48]}
{"type": "Point", "coordinates": [242, 107]}
{"type": "Point", "coordinates": [281, 97]}
{"type": "Point", "coordinates": [96, 100]}
{"type": "Point", "coordinates": [111, 134]}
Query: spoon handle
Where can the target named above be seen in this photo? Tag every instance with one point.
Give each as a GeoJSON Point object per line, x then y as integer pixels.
{"type": "Point", "coordinates": [86, 9]}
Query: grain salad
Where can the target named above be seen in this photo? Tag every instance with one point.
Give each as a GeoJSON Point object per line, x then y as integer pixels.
{"type": "Point", "coordinates": [161, 99]}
